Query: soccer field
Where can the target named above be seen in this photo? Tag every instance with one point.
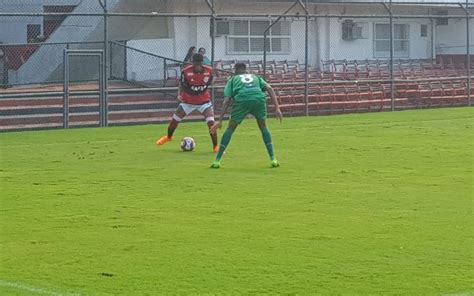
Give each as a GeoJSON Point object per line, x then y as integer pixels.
{"type": "Point", "coordinates": [362, 204]}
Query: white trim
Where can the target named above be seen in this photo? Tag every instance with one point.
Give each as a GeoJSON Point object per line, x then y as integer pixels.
{"type": "Point", "coordinates": [176, 117]}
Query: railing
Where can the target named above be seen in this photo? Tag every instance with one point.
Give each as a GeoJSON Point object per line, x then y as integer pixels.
{"type": "Point", "coordinates": [312, 53]}
{"type": "Point", "coordinates": [16, 55]}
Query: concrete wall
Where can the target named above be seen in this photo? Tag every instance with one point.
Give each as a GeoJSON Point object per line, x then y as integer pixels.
{"type": "Point", "coordinates": [142, 67]}
{"type": "Point", "coordinates": [451, 39]}
{"type": "Point", "coordinates": [325, 35]}
{"type": "Point", "coordinates": [186, 33]}
{"type": "Point", "coordinates": [337, 48]}
{"type": "Point", "coordinates": [325, 40]}
{"type": "Point", "coordinates": [47, 59]}
{"type": "Point", "coordinates": [13, 29]}
{"type": "Point", "coordinates": [171, 37]}
{"type": "Point", "coordinates": [90, 29]}
{"type": "Point", "coordinates": [196, 31]}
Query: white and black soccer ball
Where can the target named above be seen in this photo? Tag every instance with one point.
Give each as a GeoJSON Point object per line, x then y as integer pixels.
{"type": "Point", "coordinates": [188, 144]}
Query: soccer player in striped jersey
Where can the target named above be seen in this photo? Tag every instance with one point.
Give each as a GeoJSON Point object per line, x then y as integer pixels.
{"type": "Point", "coordinates": [193, 96]}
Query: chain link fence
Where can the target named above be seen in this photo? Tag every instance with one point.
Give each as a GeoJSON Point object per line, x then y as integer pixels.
{"type": "Point", "coordinates": [34, 38]}
{"type": "Point", "coordinates": [321, 57]}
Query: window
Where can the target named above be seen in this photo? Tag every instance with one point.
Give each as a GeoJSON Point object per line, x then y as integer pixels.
{"type": "Point", "coordinates": [424, 31]}
{"type": "Point", "coordinates": [401, 40]}
{"type": "Point", "coordinates": [32, 32]}
{"type": "Point", "coordinates": [442, 21]}
{"type": "Point", "coordinates": [222, 27]}
{"type": "Point", "coordinates": [352, 30]}
{"type": "Point", "coordinates": [246, 37]}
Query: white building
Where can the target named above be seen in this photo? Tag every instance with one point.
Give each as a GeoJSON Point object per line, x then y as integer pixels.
{"type": "Point", "coordinates": [239, 37]}
{"type": "Point", "coordinates": [16, 29]}
{"type": "Point", "coordinates": [21, 29]}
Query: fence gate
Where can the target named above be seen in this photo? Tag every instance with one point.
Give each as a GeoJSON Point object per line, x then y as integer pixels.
{"type": "Point", "coordinates": [103, 109]}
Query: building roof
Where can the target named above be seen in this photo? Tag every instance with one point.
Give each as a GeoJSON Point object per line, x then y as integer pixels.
{"type": "Point", "coordinates": [414, 2]}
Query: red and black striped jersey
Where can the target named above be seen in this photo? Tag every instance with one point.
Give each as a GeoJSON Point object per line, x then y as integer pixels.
{"type": "Point", "coordinates": [194, 85]}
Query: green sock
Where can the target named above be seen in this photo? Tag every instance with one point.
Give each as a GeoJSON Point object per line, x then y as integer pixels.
{"type": "Point", "coordinates": [224, 142]}
{"type": "Point", "coordinates": [267, 138]}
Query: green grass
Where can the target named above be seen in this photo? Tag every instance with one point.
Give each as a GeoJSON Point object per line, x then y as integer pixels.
{"type": "Point", "coordinates": [362, 204]}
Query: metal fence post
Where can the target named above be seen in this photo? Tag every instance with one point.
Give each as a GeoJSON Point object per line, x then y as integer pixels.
{"type": "Point", "coordinates": [265, 33]}
{"type": "Point", "coordinates": [105, 77]}
{"type": "Point", "coordinates": [213, 37]}
{"type": "Point", "coordinates": [66, 90]}
{"type": "Point", "coordinates": [4, 68]}
{"type": "Point", "coordinates": [210, 4]}
{"type": "Point", "coordinates": [165, 73]}
{"type": "Point", "coordinates": [102, 89]}
{"type": "Point", "coordinates": [265, 52]}
{"type": "Point", "coordinates": [392, 81]}
{"type": "Point", "coordinates": [468, 52]}
{"type": "Point", "coordinates": [432, 48]}
{"type": "Point", "coordinates": [213, 49]}
{"type": "Point", "coordinates": [125, 62]}
{"type": "Point", "coordinates": [111, 64]}
{"type": "Point", "coordinates": [306, 59]}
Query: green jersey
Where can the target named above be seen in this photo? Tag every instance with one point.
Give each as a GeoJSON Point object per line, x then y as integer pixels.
{"type": "Point", "coordinates": [206, 61]}
{"type": "Point", "coordinates": [246, 87]}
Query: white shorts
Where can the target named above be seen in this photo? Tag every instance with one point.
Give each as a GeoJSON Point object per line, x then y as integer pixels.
{"type": "Point", "coordinates": [188, 108]}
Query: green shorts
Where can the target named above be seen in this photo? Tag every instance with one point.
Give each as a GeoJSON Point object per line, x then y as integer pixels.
{"type": "Point", "coordinates": [241, 109]}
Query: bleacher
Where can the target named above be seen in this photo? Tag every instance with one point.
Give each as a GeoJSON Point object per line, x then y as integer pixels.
{"type": "Point", "coordinates": [21, 112]}
{"type": "Point", "coordinates": [337, 86]}
{"type": "Point", "coordinates": [354, 69]}
{"type": "Point", "coordinates": [337, 91]}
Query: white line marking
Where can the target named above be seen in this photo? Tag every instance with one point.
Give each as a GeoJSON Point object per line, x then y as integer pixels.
{"type": "Point", "coordinates": [32, 289]}
{"type": "Point", "coordinates": [460, 294]}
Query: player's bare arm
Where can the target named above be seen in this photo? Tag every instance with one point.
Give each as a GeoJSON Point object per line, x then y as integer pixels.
{"type": "Point", "coordinates": [278, 113]}
{"type": "Point", "coordinates": [180, 89]}
{"type": "Point", "coordinates": [218, 124]}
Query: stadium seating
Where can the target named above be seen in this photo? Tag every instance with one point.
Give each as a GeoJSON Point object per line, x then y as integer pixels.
{"type": "Point", "coordinates": [352, 69]}
{"type": "Point", "coordinates": [337, 86]}
{"type": "Point", "coordinates": [370, 96]}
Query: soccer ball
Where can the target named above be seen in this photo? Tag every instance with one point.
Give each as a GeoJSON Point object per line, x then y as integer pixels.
{"type": "Point", "coordinates": [188, 144]}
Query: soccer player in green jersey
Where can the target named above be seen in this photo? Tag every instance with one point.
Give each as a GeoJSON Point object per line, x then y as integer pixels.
{"type": "Point", "coordinates": [247, 93]}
